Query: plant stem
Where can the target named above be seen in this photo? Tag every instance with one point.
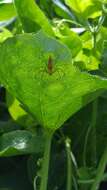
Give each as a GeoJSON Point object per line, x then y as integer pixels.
{"type": "Point", "coordinates": [90, 181]}
{"type": "Point", "coordinates": [95, 30]}
{"type": "Point", "coordinates": [45, 164]}
{"type": "Point", "coordinates": [93, 131]}
{"type": "Point", "coordinates": [100, 171]}
{"type": "Point", "coordinates": [34, 183]}
{"type": "Point", "coordinates": [94, 35]}
{"type": "Point", "coordinates": [85, 146]}
{"type": "Point", "coordinates": [69, 164]}
{"type": "Point", "coordinates": [100, 23]}
{"type": "Point", "coordinates": [91, 134]}
{"type": "Point", "coordinates": [75, 183]}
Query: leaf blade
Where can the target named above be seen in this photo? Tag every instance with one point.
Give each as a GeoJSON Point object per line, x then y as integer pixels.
{"type": "Point", "coordinates": [45, 96]}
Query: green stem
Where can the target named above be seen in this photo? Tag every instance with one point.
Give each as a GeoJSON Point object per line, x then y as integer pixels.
{"type": "Point", "coordinates": [100, 23]}
{"type": "Point", "coordinates": [100, 171]}
{"type": "Point", "coordinates": [90, 181]}
{"type": "Point", "coordinates": [69, 165]}
{"type": "Point", "coordinates": [95, 30]}
{"type": "Point", "coordinates": [85, 146]}
{"type": "Point", "coordinates": [94, 35]}
{"type": "Point", "coordinates": [93, 132]}
{"type": "Point", "coordinates": [75, 183]}
{"type": "Point", "coordinates": [34, 183]}
{"type": "Point", "coordinates": [45, 164]}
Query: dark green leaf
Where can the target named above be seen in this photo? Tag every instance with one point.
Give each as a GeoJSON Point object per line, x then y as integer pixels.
{"type": "Point", "coordinates": [20, 142]}
{"type": "Point", "coordinates": [32, 16]}
{"type": "Point", "coordinates": [104, 59]}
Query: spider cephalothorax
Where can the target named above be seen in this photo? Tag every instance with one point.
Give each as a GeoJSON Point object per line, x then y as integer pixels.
{"type": "Point", "coordinates": [50, 66]}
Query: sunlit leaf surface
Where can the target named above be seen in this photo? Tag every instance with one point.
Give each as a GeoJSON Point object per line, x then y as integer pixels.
{"type": "Point", "coordinates": [53, 94]}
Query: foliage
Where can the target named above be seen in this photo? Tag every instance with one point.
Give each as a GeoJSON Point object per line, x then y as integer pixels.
{"type": "Point", "coordinates": [53, 81]}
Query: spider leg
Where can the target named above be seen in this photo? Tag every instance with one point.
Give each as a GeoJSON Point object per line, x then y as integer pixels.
{"type": "Point", "coordinates": [60, 72]}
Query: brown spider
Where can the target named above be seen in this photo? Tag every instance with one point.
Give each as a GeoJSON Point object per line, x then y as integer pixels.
{"type": "Point", "coordinates": [50, 68]}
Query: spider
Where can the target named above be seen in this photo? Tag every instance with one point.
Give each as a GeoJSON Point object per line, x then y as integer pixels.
{"type": "Point", "coordinates": [50, 66]}
{"type": "Point", "coordinates": [50, 69]}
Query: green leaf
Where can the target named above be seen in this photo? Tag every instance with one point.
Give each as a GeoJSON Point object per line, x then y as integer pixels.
{"type": "Point", "coordinates": [7, 11]}
{"type": "Point", "coordinates": [104, 59]}
{"type": "Point", "coordinates": [79, 6]}
{"type": "Point", "coordinates": [85, 8]}
{"type": "Point", "coordinates": [4, 34]}
{"type": "Point", "coordinates": [86, 60]}
{"type": "Point", "coordinates": [87, 41]}
{"type": "Point", "coordinates": [103, 1]}
{"type": "Point", "coordinates": [69, 38]}
{"type": "Point", "coordinates": [17, 113]}
{"type": "Point", "coordinates": [85, 173]}
{"type": "Point", "coordinates": [20, 142]}
{"type": "Point", "coordinates": [62, 10]}
{"type": "Point", "coordinates": [101, 38]}
{"type": "Point", "coordinates": [51, 97]}
{"type": "Point", "coordinates": [8, 126]}
{"type": "Point", "coordinates": [32, 16]}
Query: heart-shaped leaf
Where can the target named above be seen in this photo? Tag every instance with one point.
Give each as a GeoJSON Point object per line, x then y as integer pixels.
{"type": "Point", "coordinates": [38, 71]}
